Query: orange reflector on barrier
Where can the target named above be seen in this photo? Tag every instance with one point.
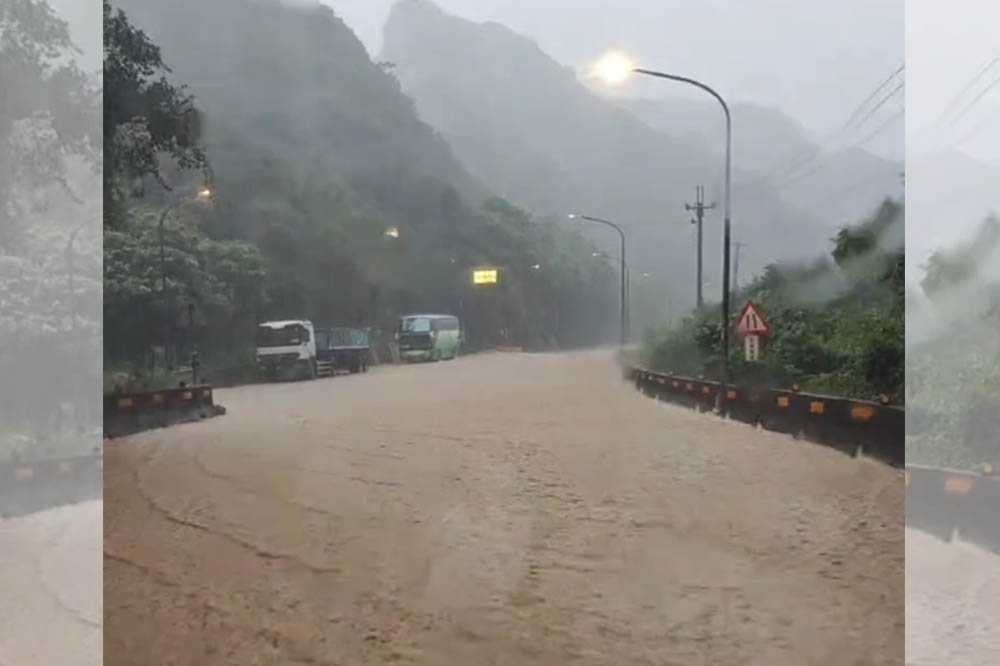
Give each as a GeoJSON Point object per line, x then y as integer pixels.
{"type": "Point", "coordinates": [689, 387]}
{"type": "Point", "coordinates": [862, 412]}
{"type": "Point", "coordinates": [187, 395]}
{"type": "Point", "coordinates": [207, 393]}
{"type": "Point", "coordinates": [158, 398]}
{"type": "Point", "coordinates": [958, 485]}
{"type": "Point", "coordinates": [661, 381]}
{"type": "Point", "coordinates": [816, 407]}
{"type": "Point", "coordinates": [125, 403]}
{"type": "Point", "coordinates": [706, 390]}
{"type": "Point", "coordinates": [731, 395]}
{"type": "Point", "coordinates": [782, 401]}
{"type": "Point", "coordinates": [677, 384]}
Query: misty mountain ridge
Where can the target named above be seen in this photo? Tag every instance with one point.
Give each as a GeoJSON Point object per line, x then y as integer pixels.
{"type": "Point", "coordinates": [527, 126]}
{"type": "Point", "coordinates": [841, 184]}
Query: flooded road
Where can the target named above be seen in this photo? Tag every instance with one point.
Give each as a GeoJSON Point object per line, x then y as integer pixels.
{"type": "Point", "coordinates": [499, 509]}
{"type": "Point", "coordinates": [50, 588]}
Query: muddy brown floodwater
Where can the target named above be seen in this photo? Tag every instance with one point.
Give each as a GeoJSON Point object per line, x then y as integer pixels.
{"type": "Point", "coordinates": [50, 588]}
{"type": "Point", "coordinates": [499, 509]}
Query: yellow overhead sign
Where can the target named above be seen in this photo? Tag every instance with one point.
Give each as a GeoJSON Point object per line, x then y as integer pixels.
{"type": "Point", "coordinates": [484, 276]}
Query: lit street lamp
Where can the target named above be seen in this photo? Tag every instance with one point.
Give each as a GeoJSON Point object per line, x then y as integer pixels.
{"type": "Point", "coordinates": [204, 194]}
{"type": "Point", "coordinates": [615, 68]}
{"type": "Point", "coordinates": [621, 234]}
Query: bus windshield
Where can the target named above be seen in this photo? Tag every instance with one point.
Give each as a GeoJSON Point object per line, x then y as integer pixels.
{"type": "Point", "coordinates": [286, 336]}
{"type": "Point", "coordinates": [415, 325]}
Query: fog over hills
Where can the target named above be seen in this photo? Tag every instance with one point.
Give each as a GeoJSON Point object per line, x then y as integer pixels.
{"type": "Point", "coordinates": [529, 128]}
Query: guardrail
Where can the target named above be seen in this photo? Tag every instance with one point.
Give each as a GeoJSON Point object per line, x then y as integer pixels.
{"type": "Point", "coordinates": [29, 487]}
{"type": "Point", "coordinates": [850, 426]}
{"type": "Point", "coordinates": [128, 413]}
{"type": "Point", "coordinates": [947, 503]}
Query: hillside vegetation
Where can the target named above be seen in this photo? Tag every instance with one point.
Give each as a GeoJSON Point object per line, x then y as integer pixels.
{"type": "Point", "coordinates": [312, 153]}
{"type": "Point", "coordinates": [50, 255]}
{"type": "Point", "coordinates": [953, 363]}
{"type": "Point", "coordinates": [837, 324]}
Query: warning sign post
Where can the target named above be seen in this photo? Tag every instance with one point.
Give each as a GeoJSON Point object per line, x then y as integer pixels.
{"type": "Point", "coordinates": [750, 326]}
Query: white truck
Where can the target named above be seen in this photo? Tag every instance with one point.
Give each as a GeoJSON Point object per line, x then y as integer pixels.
{"type": "Point", "coordinates": [286, 350]}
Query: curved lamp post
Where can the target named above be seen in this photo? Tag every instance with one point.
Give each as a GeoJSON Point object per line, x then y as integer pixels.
{"type": "Point", "coordinates": [621, 234]}
{"type": "Point", "coordinates": [615, 68]}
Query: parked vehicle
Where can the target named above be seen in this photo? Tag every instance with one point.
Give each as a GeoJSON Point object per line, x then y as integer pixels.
{"type": "Point", "coordinates": [286, 350]}
{"type": "Point", "coordinates": [342, 349]}
{"type": "Point", "coordinates": [428, 337]}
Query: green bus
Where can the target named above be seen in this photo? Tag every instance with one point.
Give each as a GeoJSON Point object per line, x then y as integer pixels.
{"type": "Point", "coordinates": [428, 337]}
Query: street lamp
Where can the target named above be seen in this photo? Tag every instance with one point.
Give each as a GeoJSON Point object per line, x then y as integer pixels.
{"type": "Point", "coordinates": [615, 68]}
{"type": "Point", "coordinates": [621, 234]}
{"type": "Point", "coordinates": [203, 194]}
{"type": "Point", "coordinates": [628, 290]}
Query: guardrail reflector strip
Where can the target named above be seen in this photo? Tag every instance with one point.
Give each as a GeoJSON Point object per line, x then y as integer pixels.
{"type": "Point", "coordinates": [862, 412]}
{"type": "Point", "coordinates": [816, 407]}
{"type": "Point", "coordinates": [958, 485]}
{"type": "Point", "coordinates": [782, 401]}
{"type": "Point", "coordinates": [731, 395]}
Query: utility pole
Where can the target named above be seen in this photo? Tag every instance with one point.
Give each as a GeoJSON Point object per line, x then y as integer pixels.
{"type": "Point", "coordinates": [699, 209]}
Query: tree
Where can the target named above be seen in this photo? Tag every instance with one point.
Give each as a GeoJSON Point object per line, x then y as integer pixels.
{"type": "Point", "coordinates": [48, 112]}
{"type": "Point", "coordinates": [144, 117]}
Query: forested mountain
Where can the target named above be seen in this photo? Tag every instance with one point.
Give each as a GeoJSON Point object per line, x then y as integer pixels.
{"type": "Point", "coordinates": [313, 152]}
{"type": "Point", "coordinates": [530, 128]}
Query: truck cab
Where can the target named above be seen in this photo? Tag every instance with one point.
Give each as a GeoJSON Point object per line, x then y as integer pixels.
{"type": "Point", "coordinates": [286, 349]}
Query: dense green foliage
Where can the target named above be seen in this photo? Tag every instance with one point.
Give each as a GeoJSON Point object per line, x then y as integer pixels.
{"type": "Point", "coordinates": [315, 153]}
{"type": "Point", "coordinates": [49, 109]}
{"type": "Point", "coordinates": [953, 369]}
{"type": "Point", "coordinates": [837, 325]}
{"type": "Point", "coordinates": [144, 118]}
{"type": "Point", "coordinates": [50, 259]}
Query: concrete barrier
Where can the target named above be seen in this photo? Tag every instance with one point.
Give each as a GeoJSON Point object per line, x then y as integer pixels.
{"type": "Point", "coordinates": [850, 426]}
{"type": "Point", "coordinates": [29, 487]}
{"type": "Point", "coordinates": [947, 503]}
{"type": "Point", "coordinates": [128, 413]}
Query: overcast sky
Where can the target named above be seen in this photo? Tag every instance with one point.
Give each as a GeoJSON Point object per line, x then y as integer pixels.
{"type": "Point", "coordinates": [947, 44]}
{"type": "Point", "coordinates": [816, 60]}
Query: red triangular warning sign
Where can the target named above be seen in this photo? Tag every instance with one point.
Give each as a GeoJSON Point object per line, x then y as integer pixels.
{"type": "Point", "coordinates": [751, 322]}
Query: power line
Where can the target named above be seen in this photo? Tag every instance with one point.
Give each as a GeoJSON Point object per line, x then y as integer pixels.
{"type": "Point", "coordinates": [795, 177]}
{"type": "Point", "coordinates": [792, 172]}
{"type": "Point", "coordinates": [958, 98]}
{"type": "Point", "coordinates": [805, 156]}
{"type": "Point", "coordinates": [975, 100]}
